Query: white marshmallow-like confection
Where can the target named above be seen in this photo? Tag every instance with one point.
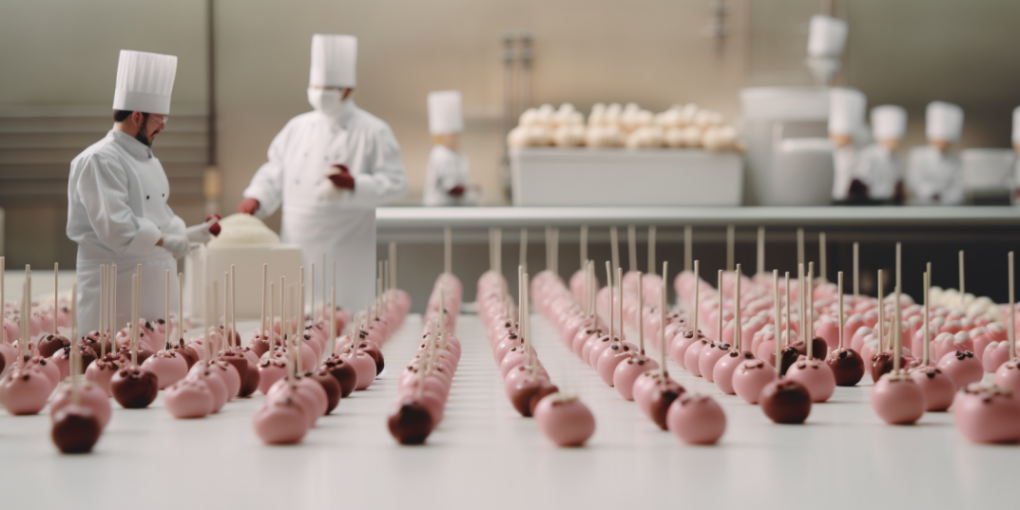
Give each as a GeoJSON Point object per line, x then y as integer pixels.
{"type": "Point", "coordinates": [569, 135]}
{"type": "Point", "coordinates": [645, 137]}
{"type": "Point", "coordinates": [244, 229]}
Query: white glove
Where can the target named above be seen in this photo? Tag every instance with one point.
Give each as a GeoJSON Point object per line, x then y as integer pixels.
{"type": "Point", "coordinates": [200, 233]}
{"type": "Point", "coordinates": [177, 245]}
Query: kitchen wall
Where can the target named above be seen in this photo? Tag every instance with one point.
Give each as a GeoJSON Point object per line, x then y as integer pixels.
{"type": "Point", "coordinates": [654, 52]}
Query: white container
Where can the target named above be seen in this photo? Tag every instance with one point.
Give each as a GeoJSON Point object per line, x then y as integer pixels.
{"type": "Point", "coordinates": [204, 265]}
{"type": "Point", "coordinates": [620, 177]}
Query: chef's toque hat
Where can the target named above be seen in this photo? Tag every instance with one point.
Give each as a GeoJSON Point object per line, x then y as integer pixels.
{"type": "Point", "coordinates": [1016, 126]}
{"type": "Point", "coordinates": [334, 61]}
{"type": "Point", "coordinates": [888, 122]}
{"type": "Point", "coordinates": [943, 121]}
{"type": "Point", "coordinates": [826, 36]}
{"type": "Point", "coordinates": [144, 82]}
{"type": "Point", "coordinates": [846, 111]}
{"type": "Point", "coordinates": [445, 115]}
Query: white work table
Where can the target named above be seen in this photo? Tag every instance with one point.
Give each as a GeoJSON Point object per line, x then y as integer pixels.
{"type": "Point", "coordinates": [483, 455]}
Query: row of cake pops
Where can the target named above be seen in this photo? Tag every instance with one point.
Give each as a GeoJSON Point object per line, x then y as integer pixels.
{"type": "Point", "coordinates": [424, 385]}
{"type": "Point", "coordinates": [559, 415]}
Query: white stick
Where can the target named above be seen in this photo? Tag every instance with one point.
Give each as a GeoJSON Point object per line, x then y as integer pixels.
{"type": "Point", "coordinates": [800, 246]}
{"type": "Point", "coordinates": [612, 299]}
{"type": "Point", "coordinates": [584, 245]}
{"type": "Point", "coordinates": [840, 312]}
{"type": "Point", "coordinates": [688, 247]}
{"type": "Point", "coordinates": [761, 250]}
{"type": "Point", "coordinates": [775, 298]}
{"type": "Point", "coordinates": [718, 333]}
{"type": "Point", "coordinates": [3, 298]}
{"type": "Point", "coordinates": [632, 248]}
{"type": "Point", "coordinates": [697, 292]}
{"type": "Point", "coordinates": [662, 321]}
{"type": "Point", "coordinates": [166, 315]}
{"type": "Point", "coordinates": [1012, 311]}
{"type": "Point", "coordinates": [640, 315]}
{"type": "Point", "coordinates": [963, 291]}
{"type": "Point", "coordinates": [651, 249]}
{"type": "Point", "coordinates": [524, 249]}
{"type": "Point", "coordinates": [926, 356]}
{"type": "Point", "coordinates": [731, 233]}
{"type": "Point", "coordinates": [857, 279]}
{"type": "Point", "coordinates": [822, 264]}
{"type": "Point", "coordinates": [447, 250]}
{"type": "Point", "coordinates": [614, 248]}
{"type": "Point", "coordinates": [180, 308]}
{"type": "Point", "coordinates": [56, 297]}
{"type": "Point", "coordinates": [736, 314]}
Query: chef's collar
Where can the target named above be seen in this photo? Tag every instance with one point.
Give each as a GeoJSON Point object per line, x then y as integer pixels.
{"type": "Point", "coordinates": [341, 119]}
{"type": "Point", "coordinates": [131, 144]}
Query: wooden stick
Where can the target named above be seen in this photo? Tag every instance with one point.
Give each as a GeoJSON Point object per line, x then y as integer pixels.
{"type": "Point", "coordinates": [102, 308]}
{"type": "Point", "coordinates": [857, 279]}
{"type": "Point", "coordinates": [311, 292]}
{"type": "Point", "coordinates": [1012, 311]}
{"type": "Point", "coordinates": [166, 315]}
{"type": "Point", "coordinates": [640, 315]}
{"type": "Point", "coordinates": [823, 275]}
{"type": "Point", "coordinates": [800, 246]}
{"type": "Point", "coordinates": [612, 299]}
{"type": "Point", "coordinates": [802, 307]}
{"type": "Point", "coordinates": [632, 248]}
{"type": "Point", "coordinates": [697, 291]}
{"type": "Point", "coordinates": [788, 316]}
{"type": "Point", "coordinates": [619, 303]}
{"type": "Point", "coordinates": [134, 321]}
{"type": "Point", "coordinates": [265, 279]}
{"type": "Point", "coordinates": [584, 245]}
{"type": "Point", "coordinates": [778, 335]}
{"type": "Point", "coordinates": [113, 309]}
{"type": "Point", "coordinates": [447, 250]}
{"type": "Point", "coordinates": [841, 312]}
{"type": "Point", "coordinates": [899, 258]}
{"type": "Point", "coordinates": [731, 233]}
{"type": "Point", "coordinates": [963, 291]}
{"type": "Point", "coordinates": [761, 251]}
{"type": "Point", "coordinates": [718, 333]}
{"type": "Point", "coordinates": [3, 298]}
{"type": "Point", "coordinates": [520, 300]}
{"type": "Point", "coordinates": [324, 283]}
{"type": "Point", "coordinates": [272, 315]}
{"type": "Point", "coordinates": [393, 267]}
{"type": "Point", "coordinates": [688, 247]}
{"type": "Point", "coordinates": [332, 310]}
{"type": "Point", "coordinates": [75, 350]}
{"type": "Point", "coordinates": [614, 247]}
{"type": "Point", "coordinates": [662, 321]}
{"type": "Point", "coordinates": [881, 314]}
{"type": "Point", "coordinates": [180, 308]}
{"type": "Point", "coordinates": [524, 249]}
{"type": "Point", "coordinates": [56, 298]}
{"type": "Point", "coordinates": [651, 249]}
{"type": "Point", "coordinates": [736, 314]}
{"type": "Point", "coordinates": [499, 255]}
{"type": "Point", "coordinates": [898, 350]}
{"type": "Point", "coordinates": [925, 349]}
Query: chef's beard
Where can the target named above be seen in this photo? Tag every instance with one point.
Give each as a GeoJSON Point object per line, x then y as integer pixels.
{"type": "Point", "coordinates": [141, 136]}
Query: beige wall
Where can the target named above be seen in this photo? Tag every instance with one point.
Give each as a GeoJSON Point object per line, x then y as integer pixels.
{"type": "Point", "coordinates": [654, 52]}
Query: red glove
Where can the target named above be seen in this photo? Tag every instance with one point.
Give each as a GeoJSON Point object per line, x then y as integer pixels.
{"type": "Point", "coordinates": [215, 228]}
{"type": "Point", "coordinates": [457, 191]}
{"type": "Point", "coordinates": [344, 179]}
{"type": "Point", "coordinates": [248, 206]}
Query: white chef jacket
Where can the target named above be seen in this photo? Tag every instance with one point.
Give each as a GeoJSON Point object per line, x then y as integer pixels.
{"type": "Point", "coordinates": [341, 225]}
{"type": "Point", "coordinates": [934, 178]}
{"type": "Point", "coordinates": [844, 161]}
{"type": "Point", "coordinates": [116, 212]}
{"type": "Point", "coordinates": [880, 170]}
{"type": "Point", "coordinates": [445, 170]}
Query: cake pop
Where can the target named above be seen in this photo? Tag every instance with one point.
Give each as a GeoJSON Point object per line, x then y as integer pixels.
{"type": "Point", "coordinates": [627, 372]}
{"type": "Point", "coordinates": [714, 351]}
{"type": "Point", "coordinates": [530, 388]}
{"type": "Point", "coordinates": [846, 364]}
{"type": "Point", "coordinates": [662, 390]}
{"type": "Point", "coordinates": [600, 344]}
{"type": "Point", "coordinates": [897, 399]}
{"type": "Point", "coordinates": [783, 400]}
{"type": "Point", "coordinates": [692, 355]}
{"type": "Point", "coordinates": [410, 423]}
{"type": "Point", "coordinates": [619, 350]}
{"type": "Point", "coordinates": [752, 375]}
{"type": "Point", "coordinates": [189, 398]}
{"type": "Point", "coordinates": [182, 349]}
{"type": "Point", "coordinates": [76, 427]}
{"type": "Point", "coordinates": [938, 388]}
{"type": "Point", "coordinates": [166, 364]}
{"type": "Point", "coordinates": [26, 387]}
{"type": "Point", "coordinates": [53, 342]}
{"type": "Point", "coordinates": [566, 421]}
{"type": "Point", "coordinates": [814, 375]}
{"type": "Point", "coordinates": [134, 387]}
{"type": "Point", "coordinates": [987, 414]}
{"type": "Point", "coordinates": [696, 419]}
{"type": "Point", "coordinates": [329, 385]}
{"type": "Point", "coordinates": [281, 420]}
{"type": "Point", "coordinates": [682, 342]}
{"type": "Point", "coordinates": [881, 362]}
{"type": "Point", "coordinates": [1007, 376]}
{"type": "Point", "coordinates": [726, 366]}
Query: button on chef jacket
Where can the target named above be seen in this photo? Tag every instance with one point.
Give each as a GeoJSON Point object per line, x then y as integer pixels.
{"type": "Point", "coordinates": [342, 228]}
{"type": "Point", "coordinates": [445, 170]}
{"type": "Point", "coordinates": [934, 177]}
{"type": "Point", "coordinates": [116, 212]}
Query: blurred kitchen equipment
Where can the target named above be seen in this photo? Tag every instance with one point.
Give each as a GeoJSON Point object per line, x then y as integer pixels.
{"type": "Point", "coordinates": [988, 175]}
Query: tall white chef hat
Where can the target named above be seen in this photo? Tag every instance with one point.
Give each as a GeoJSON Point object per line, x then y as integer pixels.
{"type": "Point", "coordinates": [144, 82]}
{"type": "Point", "coordinates": [334, 61]}
{"type": "Point", "coordinates": [826, 36]}
{"type": "Point", "coordinates": [1016, 125]}
{"type": "Point", "coordinates": [846, 111]}
{"type": "Point", "coordinates": [445, 115]}
{"type": "Point", "coordinates": [888, 122]}
{"type": "Point", "coordinates": [943, 121]}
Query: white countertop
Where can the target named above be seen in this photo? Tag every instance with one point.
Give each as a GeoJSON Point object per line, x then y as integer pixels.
{"type": "Point", "coordinates": [484, 455]}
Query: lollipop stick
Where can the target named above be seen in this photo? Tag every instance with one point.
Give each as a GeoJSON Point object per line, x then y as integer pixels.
{"type": "Point", "coordinates": [447, 250]}
{"type": "Point", "coordinates": [857, 279]}
{"type": "Point", "coordinates": [524, 249]}
{"type": "Point", "coordinates": [925, 356]}
{"type": "Point", "coordinates": [822, 274]}
{"type": "Point", "coordinates": [761, 251]}
{"type": "Point", "coordinates": [840, 312]}
{"type": "Point", "coordinates": [632, 247]}
{"type": "Point", "coordinates": [102, 310]}
{"type": "Point", "coordinates": [730, 234]}
{"type": "Point", "coordinates": [56, 296]}
{"type": "Point", "coordinates": [718, 333]}
{"type": "Point", "coordinates": [180, 309]}
{"type": "Point", "coordinates": [265, 278]}
{"type": "Point", "coordinates": [800, 246]}
{"type": "Point", "coordinates": [688, 247]}
{"type": "Point", "coordinates": [584, 245]}
{"type": "Point", "coordinates": [612, 298]}
{"type": "Point", "coordinates": [775, 299]}
{"type": "Point", "coordinates": [1012, 311]}
{"type": "Point", "coordinates": [963, 291]}
{"type": "Point", "coordinates": [651, 249]}
{"type": "Point", "coordinates": [662, 320]}
{"type": "Point", "coordinates": [788, 316]}
{"type": "Point", "coordinates": [881, 314]}
{"type": "Point", "coordinates": [640, 316]}
{"type": "Point", "coordinates": [736, 313]}
{"type": "Point", "coordinates": [619, 302]}
{"type": "Point", "coordinates": [614, 247]}
{"type": "Point", "coordinates": [166, 314]}
{"type": "Point", "coordinates": [697, 291]}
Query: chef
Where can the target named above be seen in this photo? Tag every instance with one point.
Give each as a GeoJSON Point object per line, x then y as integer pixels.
{"type": "Point", "coordinates": [446, 174]}
{"type": "Point", "coordinates": [329, 169]}
{"type": "Point", "coordinates": [117, 196]}
{"type": "Point", "coordinates": [934, 173]}
{"type": "Point", "coordinates": [877, 165]}
{"type": "Point", "coordinates": [846, 119]}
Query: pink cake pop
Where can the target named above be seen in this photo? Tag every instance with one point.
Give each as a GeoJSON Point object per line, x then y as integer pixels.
{"type": "Point", "coordinates": [713, 352]}
{"type": "Point", "coordinates": [654, 390]}
{"type": "Point", "coordinates": [962, 366]}
{"type": "Point", "coordinates": [692, 355]}
{"type": "Point", "coordinates": [696, 419]}
{"type": "Point", "coordinates": [752, 376]}
{"type": "Point", "coordinates": [627, 372]}
{"type": "Point", "coordinates": [594, 349]}
{"type": "Point", "coordinates": [814, 375]}
{"type": "Point", "coordinates": [189, 398]}
{"type": "Point", "coordinates": [619, 350]}
{"type": "Point", "coordinates": [987, 414]}
{"type": "Point", "coordinates": [682, 342]}
{"type": "Point", "coordinates": [897, 399]}
{"type": "Point", "coordinates": [185, 351]}
{"type": "Point", "coordinates": [938, 388]}
{"type": "Point", "coordinates": [566, 421]}
{"type": "Point", "coordinates": [281, 420]}
{"type": "Point", "coordinates": [726, 366]}
{"type": "Point", "coordinates": [26, 388]}
{"type": "Point", "coordinates": [1007, 376]}
{"type": "Point", "coordinates": [996, 353]}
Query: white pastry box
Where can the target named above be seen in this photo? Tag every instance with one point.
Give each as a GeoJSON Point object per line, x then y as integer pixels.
{"type": "Point", "coordinates": [561, 176]}
{"type": "Point", "coordinates": [205, 265]}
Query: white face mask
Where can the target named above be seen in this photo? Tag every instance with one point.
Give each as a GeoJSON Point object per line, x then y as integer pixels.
{"type": "Point", "coordinates": [327, 101]}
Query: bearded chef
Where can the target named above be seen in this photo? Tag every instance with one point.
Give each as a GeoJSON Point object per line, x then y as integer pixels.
{"type": "Point", "coordinates": [329, 169]}
{"type": "Point", "coordinates": [846, 118]}
{"type": "Point", "coordinates": [117, 196]}
{"type": "Point", "coordinates": [877, 166]}
{"type": "Point", "coordinates": [446, 174]}
{"type": "Point", "coordinates": [934, 173]}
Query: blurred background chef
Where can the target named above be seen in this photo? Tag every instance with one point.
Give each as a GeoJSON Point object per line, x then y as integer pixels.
{"type": "Point", "coordinates": [878, 167]}
{"type": "Point", "coordinates": [846, 119]}
{"type": "Point", "coordinates": [934, 173]}
{"type": "Point", "coordinates": [117, 193]}
{"type": "Point", "coordinates": [446, 174]}
{"type": "Point", "coordinates": [329, 169]}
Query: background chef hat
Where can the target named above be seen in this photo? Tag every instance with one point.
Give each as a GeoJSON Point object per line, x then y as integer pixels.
{"type": "Point", "coordinates": [445, 112]}
{"type": "Point", "coordinates": [1016, 126]}
{"type": "Point", "coordinates": [846, 111]}
{"type": "Point", "coordinates": [144, 82]}
{"type": "Point", "coordinates": [334, 60]}
{"type": "Point", "coordinates": [826, 36]}
{"type": "Point", "coordinates": [888, 122]}
{"type": "Point", "coordinates": [943, 121]}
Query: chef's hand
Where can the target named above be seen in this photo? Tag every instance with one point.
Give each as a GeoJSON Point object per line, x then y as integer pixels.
{"type": "Point", "coordinates": [342, 179]}
{"type": "Point", "coordinates": [203, 232]}
{"type": "Point", "coordinates": [457, 191]}
{"type": "Point", "coordinates": [177, 245]}
{"type": "Point", "coordinates": [248, 206]}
